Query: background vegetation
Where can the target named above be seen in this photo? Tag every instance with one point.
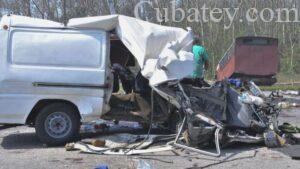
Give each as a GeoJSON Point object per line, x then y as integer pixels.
{"type": "Point", "coordinates": [215, 37]}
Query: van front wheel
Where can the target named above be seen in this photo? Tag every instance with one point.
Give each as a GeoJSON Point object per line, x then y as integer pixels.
{"type": "Point", "coordinates": [57, 124]}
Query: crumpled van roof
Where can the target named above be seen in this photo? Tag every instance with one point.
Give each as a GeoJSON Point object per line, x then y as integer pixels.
{"type": "Point", "coordinates": [162, 52]}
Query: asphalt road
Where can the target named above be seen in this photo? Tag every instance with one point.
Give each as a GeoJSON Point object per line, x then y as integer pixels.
{"type": "Point", "coordinates": [19, 148]}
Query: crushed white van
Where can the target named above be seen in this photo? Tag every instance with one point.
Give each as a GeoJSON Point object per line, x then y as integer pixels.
{"type": "Point", "coordinates": [54, 77]}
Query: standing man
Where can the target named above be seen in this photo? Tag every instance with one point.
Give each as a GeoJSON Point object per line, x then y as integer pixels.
{"type": "Point", "coordinates": [201, 63]}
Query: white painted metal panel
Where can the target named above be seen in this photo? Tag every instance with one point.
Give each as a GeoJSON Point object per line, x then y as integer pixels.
{"type": "Point", "coordinates": [69, 57]}
{"type": "Point", "coordinates": [56, 48]}
{"type": "Point", "coordinates": [63, 56]}
{"type": "Point", "coordinates": [23, 21]}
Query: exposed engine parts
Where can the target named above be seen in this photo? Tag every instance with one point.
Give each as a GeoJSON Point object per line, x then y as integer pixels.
{"type": "Point", "coordinates": [220, 115]}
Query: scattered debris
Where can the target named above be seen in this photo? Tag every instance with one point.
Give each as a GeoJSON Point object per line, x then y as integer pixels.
{"type": "Point", "coordinates": [102, 166]}
{"type": "Point", "coordinates": [107, 151]}
{"type": "Point", "coordinates": [122, 144]}
{"type": "Point", "coordinates": [287, 105]}
{"type": "Point", "coordinates": [290, 92]}
{"type": "Point", "coordinates": [222, 115]}
{"type": "Point", "coordinates": [248, 99]}
{"type": "Point", "coordinates": [288, 128]}
{"type": "Point", "coordinates": [94, 142]}
{"type": "Point", "coordinates": [100, 126]}
{"type": "Point", "coordinates": [144, 165]}
{"type": "Point", "coordinates": [273, 140]}
{"type": "Point", "coordinates": [218, 114]}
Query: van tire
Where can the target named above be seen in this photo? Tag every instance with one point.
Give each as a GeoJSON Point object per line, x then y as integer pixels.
{"type": "Point", "coordinates": [57, 124]}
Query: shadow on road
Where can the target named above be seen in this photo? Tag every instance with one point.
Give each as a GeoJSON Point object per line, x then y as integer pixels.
{"type": "Point", "coordinates": [30, 140]}
{"type": "Point", "coordinates": [232, 153]}
{"type": "Point", "coordinates": [292, 151]}
{"type": "Point", "coordinates": [2, 127]}
{"type": "Point", "coordinates": [21, 141]}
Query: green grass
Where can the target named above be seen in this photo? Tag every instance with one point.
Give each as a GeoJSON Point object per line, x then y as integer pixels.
{"type": "Point", "coordinates": [288, 78]}
{"type": "Point", "coordinates": [280, 87]}
{"type": "Point", "coordinates": [284, 78]}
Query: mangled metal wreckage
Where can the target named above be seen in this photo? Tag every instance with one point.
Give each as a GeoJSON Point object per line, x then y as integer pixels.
{"type": "Point", "coordinates": [214, 113]}
{"type": "Point", "coordinates": [217, 113]}
{"type": "Point", "coordinates": [164, 57]}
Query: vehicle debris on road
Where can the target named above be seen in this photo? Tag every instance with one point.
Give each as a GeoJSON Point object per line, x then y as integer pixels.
{"type": "Point", "coordinates": [122, 144]}
{"type": "Point", "coordinates": [218, 114]}
{"type": "Point", "coordinates": [287, 105]}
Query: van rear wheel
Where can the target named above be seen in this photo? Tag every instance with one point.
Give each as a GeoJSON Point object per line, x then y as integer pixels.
{"type": "Point", "coordinates": [57, 124]}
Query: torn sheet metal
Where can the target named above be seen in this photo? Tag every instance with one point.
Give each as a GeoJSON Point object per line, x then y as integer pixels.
{"type": "Point", "coordinates": [106, 151]}
{"type": "Point", "coordinates": [160, 50]}
{"type": "Point", "coordinates": [124, 144]}
{"type": "Point", "coordinates": [127, 141]}
{"type": "Point", "coordinates": [290, 92]}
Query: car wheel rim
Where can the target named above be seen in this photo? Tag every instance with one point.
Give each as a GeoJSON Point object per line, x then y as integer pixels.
{"type": "Point", "coordinates": [58, 124]}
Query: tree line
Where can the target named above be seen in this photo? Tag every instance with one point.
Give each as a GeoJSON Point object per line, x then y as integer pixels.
{"type": "Point", "coordinates": [215, 37]}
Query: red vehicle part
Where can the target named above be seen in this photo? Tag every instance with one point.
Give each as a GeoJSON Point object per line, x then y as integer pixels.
{"type": "Point", "coordinates": [250, 58]}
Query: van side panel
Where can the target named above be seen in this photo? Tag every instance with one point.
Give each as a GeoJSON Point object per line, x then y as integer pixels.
{"type": "Point", "coordinates": [63, 64]}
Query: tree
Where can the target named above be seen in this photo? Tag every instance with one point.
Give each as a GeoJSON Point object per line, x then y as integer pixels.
{"type": "Point", "coordinates": [215, 37]}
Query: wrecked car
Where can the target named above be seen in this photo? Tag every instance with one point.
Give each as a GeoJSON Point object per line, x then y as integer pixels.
{"type": "Point", "coordinates": [60, 76]}
{"type": "Point", "coordinates": [55, 77]}
{"type": "Point", "coordinates": [220, 115]}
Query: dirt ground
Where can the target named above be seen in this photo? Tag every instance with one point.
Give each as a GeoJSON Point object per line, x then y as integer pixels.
{"type": "Point", "coordinates": [19, 148]}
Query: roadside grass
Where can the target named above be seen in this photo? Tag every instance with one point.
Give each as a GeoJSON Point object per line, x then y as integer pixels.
{"type": "Point", "coordinates": [288, 78]}
{"type": "Point", "coordinates": [280, 87]}
{"type": "Point", "coordinates": [284, 78]}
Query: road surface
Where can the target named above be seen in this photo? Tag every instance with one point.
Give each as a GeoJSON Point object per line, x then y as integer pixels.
{"type": "Point", "coordinates": [19, 148]}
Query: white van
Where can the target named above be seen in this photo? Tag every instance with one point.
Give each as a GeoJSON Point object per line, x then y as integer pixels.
{"type": "Point", "coordinates": [52, 78]}
{"type": "Point", "coordinates": [55, 77]}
